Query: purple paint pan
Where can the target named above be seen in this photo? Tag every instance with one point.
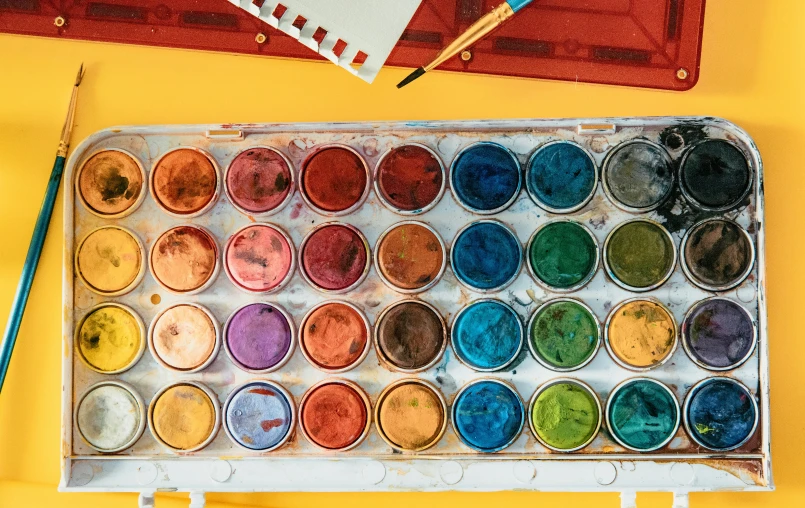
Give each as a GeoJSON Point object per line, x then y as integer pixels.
{"type": "Point", "coordinates": [258, 337]}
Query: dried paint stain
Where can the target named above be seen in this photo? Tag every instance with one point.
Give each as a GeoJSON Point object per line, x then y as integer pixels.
{"type": "Point", "coordinates": [640, 254]}
{"type": "Point", "coordinates": [258, 336]}
{"type": "Point", "coordinates": [719, 333]}
{"type": "Point", "coordinates": [184, 337]}
{"type": "Point", "coordinates": [334, 336]}
{"type": "Point", "coordinates": [410, 177]}
{"type": "Point", "coordinates": [410, 335]}
{"type": "Point", "coordinates": [110, 182]}
{"type": "Point", "coordinates": [258, 416]}
{"type": "Point", "coordinates": [487, 335]}
{"type": "Point", "coordinates": [486, 255]}
{"type": "Point", "coordinates": [485, 176]}
{"type": "Point", "coordinates": [258, 180]}
{"type": "Point", "coordinates": [108, 417]}
{"type": "Point", "coordinates": [184, 181]}
{"type": "Point", "coordinates": [410, 256]}
{"type": "Point", "coordinates": [641, 333]}
{"type": "Point", "coordinates": [643, 414]}
{"type": "Point", "coordinates": [565, 416]}
{"type": "Point", "coordinates": [563, 254]}
{"type": "Point", "coordinates": [411, 416]}
{"type": "Point", "coordinates": [561, 176]}
{"type": "Point", "coordinates": [334, 257]}
{"type": "Point", "coordinates": [716, 174]}
{"type": "Point", "coordinates": [639, 175]}
{"type": "Point", "coordinates": [184, 417]}
{"type": "Point", "coordinates": [334, 416]}
{"type": "Point", "coordinates": [184, 258]}
{"type": "Point", "coordinates": [109, 259]}
{"type": "Point", "coordinates": [488, 416]}
{"type": "Point", "coordinates": [258, 258]}
{"type": "Point", "coordinates": [718, 253]}
{"type": "Point", "coordinates": [334, 179]}
{"type": "Point", "coordinates": [564, 334]}
{"type": "Point", "coordinates": [109, 339]}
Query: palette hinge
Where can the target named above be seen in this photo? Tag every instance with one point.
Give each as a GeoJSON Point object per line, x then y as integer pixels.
{"type": "Point", "coordinates": [224, 134]}
{"type": "Point", "coordinates": [596, 128]}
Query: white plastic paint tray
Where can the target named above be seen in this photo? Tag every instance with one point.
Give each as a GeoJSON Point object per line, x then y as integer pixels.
{"type": "Point", "coordinates": [146, 467]}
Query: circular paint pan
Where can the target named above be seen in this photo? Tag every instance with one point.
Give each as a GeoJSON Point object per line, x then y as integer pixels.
{"type": "Point", "coordinates": [110, 416]}
{"type": "Point", "coordinates": [259, 258]}
{"type": "Point", "coordinates": [639, 255]}
{"type": "Point", "coordinates": [564, 334]}
{"type": "Point", "coordinates": [642, 414]}
{"type": "Point", "coordinates": [259, 181]}
{"type": "Point", "coordinates": [718, 334]}
{"type": "Point", "coordinates": [564, 415]}
{"type": "Point", "coordinates": [410, 257]}
{"type": "Point", "coordinates": [640, 334]}
{"type": "Point", "coordinates": [410, 179]}
{"type": "Point", "coordinates": [411, 415]}
{"type": "Point", "coordinates": [334, 180]}
{"type": "Point", "coordinates": [185, 416]}
{"type": "Point", "coordinates": [334, 336]}
{"type": "Point", "coordinates": [562, 255]}
{"type": "Point", "coordinates": [715, 175]}
{"type": "Point", "coordinates": [488, 415]}
{"type": "Point", "coordinates": [487, 335]}
{"type": "Point", "coordinates": [258, 337]}
{"type": "Point", "coordinates": [259, 416]}
{"type": "Point", "coordinates": [486, 256]}
{"type": "Point", "coordinates": [334, 257]}
{"type": "Point", "coordinates": [111, 183]}
{"type": "Point", "coordinates": [720, 414]}
{"type": "Point", "coordinates": [184, 259]}
{"type": "Point", "coordinates": [184, 338]}
{"type": "Point", "coordinates": [185, 182]}
{"type": "Point", "coordinates": [109, 261]}
{"type": "Point", "coordinates": [485, 178]}
{"type": "Point", "coordinates": [410, 336]}
{"type": "Point", "coordinates": [717, 254]}
{"type": "Point", "coordinates": [638, 176]}
{"type": "Point", "coordinates": [335, 415]}
{"type": "Point", "coordinates": [110, 339]}
{"type": "Point", "coordinates": [561, 177]}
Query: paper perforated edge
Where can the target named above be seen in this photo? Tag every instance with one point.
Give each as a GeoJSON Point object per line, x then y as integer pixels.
{"type": "Point", "coordinates": [377, 51]}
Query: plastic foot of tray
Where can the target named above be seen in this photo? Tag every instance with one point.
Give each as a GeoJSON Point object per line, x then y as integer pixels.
{"type": "Point", "coordinates": [197, 499]}
{"type": "Point", "coordinates": [146, 499]}
{"type": "Point", "coordinates": [628, 499]}
{"type": "Point", "coordinates": [681, 500]}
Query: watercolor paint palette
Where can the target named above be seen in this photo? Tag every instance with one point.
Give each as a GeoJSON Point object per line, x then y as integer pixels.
{"type": "Point", "coordinates": [476, 305]}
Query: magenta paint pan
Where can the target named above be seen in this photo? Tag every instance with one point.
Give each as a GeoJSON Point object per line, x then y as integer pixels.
{"type": "Point", "coordinates": [260, 181]}
{"type": "Point", "coordinates": [334, 257]}
{"type": "Point", "coordinates": [259, 258]}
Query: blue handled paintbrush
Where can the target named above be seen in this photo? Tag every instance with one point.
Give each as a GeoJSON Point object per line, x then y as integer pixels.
{"type": "Point", "coordinates": [473, 34]}
{"type": "Point", "coordinates": [38, 239]}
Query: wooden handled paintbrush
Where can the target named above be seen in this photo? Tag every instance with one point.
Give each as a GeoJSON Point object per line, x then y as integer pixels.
{"type": "Point", "coordinates": [473, 34]}
{"type": "Point", "coordinates": [38, 239]}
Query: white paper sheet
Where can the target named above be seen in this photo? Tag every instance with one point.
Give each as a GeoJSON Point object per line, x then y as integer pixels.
{"type": "Point", "coordinates": [369, 26]}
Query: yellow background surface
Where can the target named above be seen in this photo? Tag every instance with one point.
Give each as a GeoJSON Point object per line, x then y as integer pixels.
{"type": "Point", "coordinates": [753, 71]}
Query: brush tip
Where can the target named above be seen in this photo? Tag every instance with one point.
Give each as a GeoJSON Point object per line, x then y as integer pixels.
{"type": "Point", "coordinates": [80, 75]}
{"type": "Point", "coordinates": [411, 77]}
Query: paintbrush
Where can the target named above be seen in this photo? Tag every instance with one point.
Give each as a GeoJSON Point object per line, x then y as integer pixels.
{"type": "Point", "coordinates": [473, 34]}
{"type": "Point", "coordinates": [38, 238]}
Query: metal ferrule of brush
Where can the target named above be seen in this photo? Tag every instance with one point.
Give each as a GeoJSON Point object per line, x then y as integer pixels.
{"type": "Point", "coordinates": [477, 31]}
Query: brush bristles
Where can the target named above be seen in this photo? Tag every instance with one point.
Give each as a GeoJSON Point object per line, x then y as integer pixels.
{"type": "Point", "coordinates": [411, 77]}
{"type": "Point", "coordinates": [80, 75]}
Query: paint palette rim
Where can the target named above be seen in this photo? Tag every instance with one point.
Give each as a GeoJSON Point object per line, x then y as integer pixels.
{"type": "Point", "coordinates": [570, 128]}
